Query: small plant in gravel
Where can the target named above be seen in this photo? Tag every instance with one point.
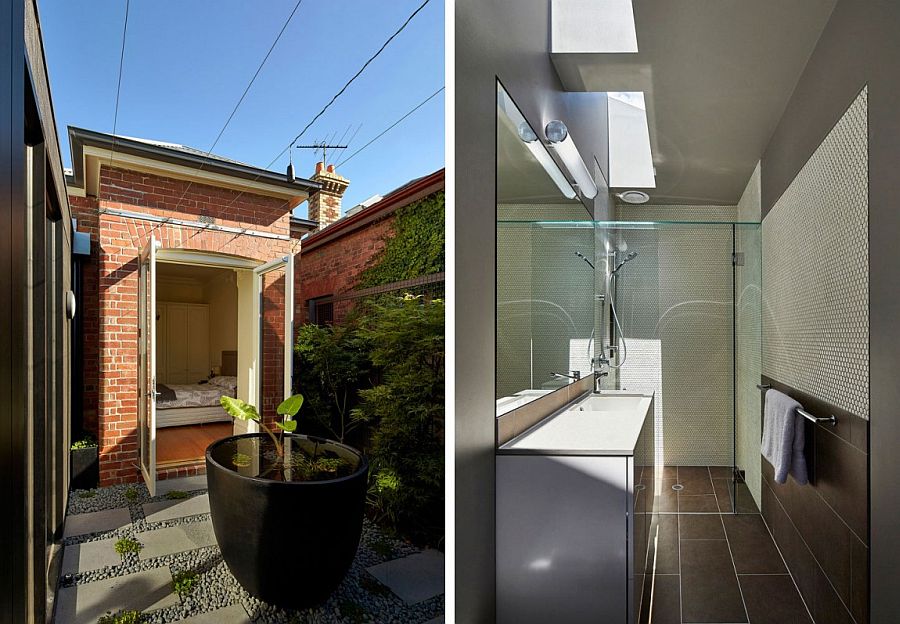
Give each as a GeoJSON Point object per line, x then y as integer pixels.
{"type": "Point", "coordinates": [131, 494]}
{"type": "Point", "coordinates": [176, 495]}
{"type": "Point", "coordinates": [127, 545]}
{"type": "Point", "coordinates": [87, 494]}
{"type": "Point", "coordinates": [383, 548]}
{"type": "Point", "coordinates": [183, 582]}
{"type": "Point", "coordinates": [121, 617]}
{"type": "Point", "coordinates": [353, 612]}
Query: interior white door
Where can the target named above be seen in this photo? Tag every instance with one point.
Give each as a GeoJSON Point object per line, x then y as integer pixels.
{"type": "Point", "coordinates": [283, 264]}
{"type": "Point", "coordinates": [147, 362]}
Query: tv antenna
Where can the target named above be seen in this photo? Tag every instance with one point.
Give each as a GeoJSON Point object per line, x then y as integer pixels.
{"type": "Point", "coordinates": [322, 145]}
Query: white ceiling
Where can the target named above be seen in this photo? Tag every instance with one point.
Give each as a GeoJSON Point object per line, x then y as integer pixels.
{"type": "Point", "coordinates": [717, 75]}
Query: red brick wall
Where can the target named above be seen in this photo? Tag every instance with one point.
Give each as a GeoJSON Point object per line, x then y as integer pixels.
{"type": "Point", "coordinates": [111, 338]}
{"type": "Point", "coordinates": [334, 267]}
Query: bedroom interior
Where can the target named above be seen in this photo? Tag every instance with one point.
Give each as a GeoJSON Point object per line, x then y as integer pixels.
{"type": "Point", "coordinates": [197, 341]}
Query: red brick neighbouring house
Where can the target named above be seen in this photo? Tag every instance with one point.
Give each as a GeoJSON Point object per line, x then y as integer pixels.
{"type": "Point", "coordinates": [216, 220]}
{"type": "Point", "coordinates": [333, 257]}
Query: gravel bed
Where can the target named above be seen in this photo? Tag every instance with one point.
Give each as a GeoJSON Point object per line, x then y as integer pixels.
{"type": "Point", "coordinates": [359, 599]}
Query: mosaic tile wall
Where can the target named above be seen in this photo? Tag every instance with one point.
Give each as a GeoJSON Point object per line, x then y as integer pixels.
{"type": "Point", "coordinates": [654, 212]}
{"type": "Point", "coordinates": [545, 299]}
{"type": "Point", "coordinates": [816, 272]}
{"type": "Point", "coordinates": [748, 425]}
{"type": "Point", "coordinates": [675, 301]}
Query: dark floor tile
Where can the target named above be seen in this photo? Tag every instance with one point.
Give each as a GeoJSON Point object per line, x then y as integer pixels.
{"type": "Point", "coordinates": [773, 600]}
{"type": "Point", "coordinates": [666, 602]}
{"type": "Point", "coordinates": [827, 606]}
{"type": "Point", "coordinates": [666, 559]}
{"type": "Point", "coordinates": [695, 479]}
{"type": "Point", "coordinates": [744, 499]}
{"type": "Point", "coordinates": [709, 587]}
{"type": "Point", "coordinates": [668, 499]}
{"type": "Point", "coordinates": [751, 545]}
{"type": "Point", "coordinates": [697, 503]}
{"type": "Point", "coordinates": [723, 491]}
{"type": "Point", "coordinates": [670, 472]}
{"type": "Point", "coordinates": [721, 472]}
{"type": "Point", "coordinates": [701, 526]}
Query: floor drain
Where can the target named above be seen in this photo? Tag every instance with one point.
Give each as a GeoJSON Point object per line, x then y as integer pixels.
{"type": "Point", "coordinates": [677, 487]}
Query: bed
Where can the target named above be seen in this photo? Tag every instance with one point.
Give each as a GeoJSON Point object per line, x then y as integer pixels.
{"type": "Point", "coordinates": [189, 404]}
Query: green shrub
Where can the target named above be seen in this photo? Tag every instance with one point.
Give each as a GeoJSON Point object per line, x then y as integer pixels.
{"type": "Point", "coordinates": [87, 494]}
{"type": "Point", "coordinates": [406, 413]}
{"type": "Point", "coordinates": [127, 545]}
{"type": "Point", "coordinates": [122, 617]}
{"type": "Point", "coordinates": [177, 495]}
{"type": "Point", "coordinates": [333, 366]}
{"type": "Point", "coordinates": [183, 582]}
{"type": "Point", "coordinates": [131, 494]}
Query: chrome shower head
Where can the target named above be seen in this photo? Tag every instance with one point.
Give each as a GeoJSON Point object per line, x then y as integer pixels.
{"type": "Point", "coordinates": [631, 255]}
{"type": "Point", "coordinates": [583, 257]}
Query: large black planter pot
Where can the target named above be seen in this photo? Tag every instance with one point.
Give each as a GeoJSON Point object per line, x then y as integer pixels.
{"type": "Point", "coordinates": [287, 543]}
{"type": "Point", "coordinates": [84, 468]}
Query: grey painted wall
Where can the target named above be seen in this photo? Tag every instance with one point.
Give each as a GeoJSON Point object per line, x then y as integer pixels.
{"type": "Point", "coordinates": [506, 39]}
{"type": "Point", "coordinates": [860, 46]}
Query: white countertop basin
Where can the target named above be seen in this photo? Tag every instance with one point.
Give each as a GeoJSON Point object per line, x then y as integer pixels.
{"type": "Point", "coordinates": [600, 424]}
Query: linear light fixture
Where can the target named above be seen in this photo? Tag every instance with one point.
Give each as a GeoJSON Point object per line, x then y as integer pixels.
{"type": "Point", "coordinates": [560, 140]}
{"type": "Point", "coordinates": [530, 139]}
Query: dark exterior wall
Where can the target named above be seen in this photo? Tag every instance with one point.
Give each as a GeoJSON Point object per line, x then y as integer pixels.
{"type": "Point", "coordinates": [860, 46]}
{"type": "Point", "coordinates": [508, 40]}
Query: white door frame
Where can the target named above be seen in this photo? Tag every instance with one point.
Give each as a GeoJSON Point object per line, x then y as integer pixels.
{"type": "Point", "coordinates": [147, 362]}
{"type": "Point", "coordinates": [286, 263]}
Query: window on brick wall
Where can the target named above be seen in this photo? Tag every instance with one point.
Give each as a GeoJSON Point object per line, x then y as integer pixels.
{"type": "Point", "coordinates": [321, 310]}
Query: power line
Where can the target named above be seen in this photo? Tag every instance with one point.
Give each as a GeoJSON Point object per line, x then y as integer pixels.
{"type": "Point", "coordinates": [243, 95]}
{"type": "Point", "coordinates": [119, 82]}
{"type": "Point", "coordinates": [391, 127]}
{"type": "Point", "coordinates": [349, 82]}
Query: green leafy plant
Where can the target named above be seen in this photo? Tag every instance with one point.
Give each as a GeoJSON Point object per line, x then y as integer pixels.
{"type": "Point", "coordinates": [406, 413]}
{"type": "Point", "coordinates": [288, 408]}
{"type": "Point", "coordinates": [131, 494]}
{"type": "Point", "coordinates": [333, 366]}
{"type": "Point", "coordinates": [183, 582]}
{"type": "Point", "coordinates": [416, 247]}
{"type": "Point", "coordinates": [122, 617]}
{"type": "Point", "coordinates": [87, 494]}
{"type": "Point", "coordinates": [86, 441]}
{"type": "Point", "coordinates": [176, 495]}
{"type": "Point", "coordinates": [128, 545]}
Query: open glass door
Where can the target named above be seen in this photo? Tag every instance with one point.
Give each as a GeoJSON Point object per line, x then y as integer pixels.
{"type": "Point", "coordinates": [274, 315]}
{"type": "Point", "coordinates": [147, 362]}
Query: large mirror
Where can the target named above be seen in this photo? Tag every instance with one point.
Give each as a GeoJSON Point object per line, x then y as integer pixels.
{"type": "Point", "coordinates": [545, 259]}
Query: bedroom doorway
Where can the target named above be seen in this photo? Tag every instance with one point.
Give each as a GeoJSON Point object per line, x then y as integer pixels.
{"type": "Point", "coordinates": [204, 340]}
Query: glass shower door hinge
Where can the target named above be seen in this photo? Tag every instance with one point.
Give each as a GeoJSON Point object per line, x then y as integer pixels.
{"type": "Point", "coordinates": [737, 259]}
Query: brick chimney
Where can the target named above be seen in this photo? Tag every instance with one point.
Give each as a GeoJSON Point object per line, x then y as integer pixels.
{"type": "Point", "coordinates": [325, 205]}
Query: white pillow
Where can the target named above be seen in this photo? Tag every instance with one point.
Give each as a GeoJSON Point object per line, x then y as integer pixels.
{"type": "Point", "coordinates": [223, 381]}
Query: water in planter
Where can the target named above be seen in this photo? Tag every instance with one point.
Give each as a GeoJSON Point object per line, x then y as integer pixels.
{"type": "Point", "coordinates": [299, 459]}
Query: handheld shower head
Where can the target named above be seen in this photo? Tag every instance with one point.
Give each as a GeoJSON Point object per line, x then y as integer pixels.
{"type": "Point", "coordinates": [631, 255]}
{"type": "Point", "coordinates": [583, 257]}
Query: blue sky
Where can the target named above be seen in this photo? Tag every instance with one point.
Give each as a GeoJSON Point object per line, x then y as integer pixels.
{"type": "Point", "coordinates": [187, 63]}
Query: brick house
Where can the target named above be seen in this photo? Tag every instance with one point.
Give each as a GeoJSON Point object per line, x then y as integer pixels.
{"type": "Point", "coordinates": [208, 242]}
{"type": "Point", "coordinates": [339, 250]}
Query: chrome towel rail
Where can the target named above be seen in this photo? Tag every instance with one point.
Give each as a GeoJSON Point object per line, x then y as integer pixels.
{"type": "Point", "coordinates": [830, 419]}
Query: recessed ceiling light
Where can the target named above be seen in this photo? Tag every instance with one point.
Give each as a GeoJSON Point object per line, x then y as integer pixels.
{"type": "Point", "coordinates": [633, 197]}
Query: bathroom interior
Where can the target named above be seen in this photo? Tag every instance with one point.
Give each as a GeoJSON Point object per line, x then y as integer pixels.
{"type": "Point", "coordinates": [652, 288]}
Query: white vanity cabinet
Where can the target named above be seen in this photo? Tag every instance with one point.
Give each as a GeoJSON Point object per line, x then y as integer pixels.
{"type": "Point", "coordinates": [574, 514]}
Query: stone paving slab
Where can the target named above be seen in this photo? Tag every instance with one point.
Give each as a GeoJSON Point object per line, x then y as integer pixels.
{"type": "Point", "coordinates": [171, 509]}
{"type": "Point", "coordinates": [141, 591]}
{"type": "Point", "coordinates": [184, 484]}
{"type": "Point", "coordinates": [234, 614]}
{"type": "Point", "coordinates": [90, 556]}
{"type": "Point", "coordinates": [97, 521]}
{"type": "Point", "coordinates": [171, 540]}
{"type": "Point", "coordinates": [414, 578]}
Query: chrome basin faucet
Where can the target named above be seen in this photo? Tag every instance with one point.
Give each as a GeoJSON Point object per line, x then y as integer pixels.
{"type": "Point", "coordinates": [576, 375]}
